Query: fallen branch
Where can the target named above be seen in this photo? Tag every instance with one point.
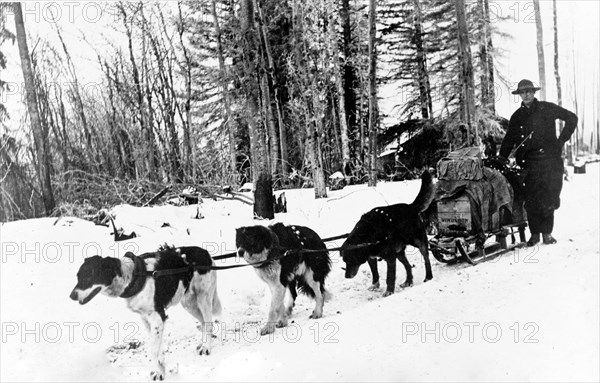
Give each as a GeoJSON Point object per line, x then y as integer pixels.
{"type": "Point", "coordinates": [238, 197]}
{"type": "Point", "coordinates": [159, 195]}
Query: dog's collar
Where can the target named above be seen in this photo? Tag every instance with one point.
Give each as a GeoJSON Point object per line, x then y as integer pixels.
{"type": "Point", "coordinates": [138, 277]}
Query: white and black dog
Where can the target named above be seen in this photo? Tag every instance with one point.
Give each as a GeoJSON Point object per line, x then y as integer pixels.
{"type": "Point", "coordinates": [131, 277]}
{"type": "Point", "coordinates": [279, 260]}
{"type": "Point", "coordinates": [384, 232]}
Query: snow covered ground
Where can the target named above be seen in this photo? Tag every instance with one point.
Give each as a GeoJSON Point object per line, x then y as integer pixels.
{"type": "Point", "coordinates": [530, 315]}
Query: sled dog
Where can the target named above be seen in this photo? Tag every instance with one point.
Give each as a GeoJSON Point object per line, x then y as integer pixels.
{"type": "Point", "coordinates": [131, 278]}
{"type": "Point", "coordinates": [278, 252]}
{"type": "Point", "coordinates": [385, 232]}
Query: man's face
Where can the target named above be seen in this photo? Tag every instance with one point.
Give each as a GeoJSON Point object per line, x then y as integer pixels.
{"type": "Point", "coordinates": [527, 96]}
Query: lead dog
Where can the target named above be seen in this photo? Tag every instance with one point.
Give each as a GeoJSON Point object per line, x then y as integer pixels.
{"type": "Point", "coordinates": [277, 257]}
{"type": "Point", "coordinates": [385, 232]}
{"type": "Point", "coordinates": [131, 278]}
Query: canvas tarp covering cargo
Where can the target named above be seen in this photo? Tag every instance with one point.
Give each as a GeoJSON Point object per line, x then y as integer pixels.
{"type": "Point", "coordinates": [486, 196]}
{"type": "Point", "coordinates": [462, 164]}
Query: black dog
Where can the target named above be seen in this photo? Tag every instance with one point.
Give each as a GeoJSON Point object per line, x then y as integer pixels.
{"type": "Point", "coordinates": [288, 267]}
{"type": "Point", "coordinates": [385, 232]}
{"type": "Point", "coordinates": [131, 278]}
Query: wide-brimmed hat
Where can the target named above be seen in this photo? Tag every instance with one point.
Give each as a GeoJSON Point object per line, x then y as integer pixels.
{"type": "Point", "coordinates": [525, 85]}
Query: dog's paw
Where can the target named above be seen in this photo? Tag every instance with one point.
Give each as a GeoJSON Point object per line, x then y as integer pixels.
{"type": "Point", "coordinates": [428, 279]}
{"type": "Point", "coordinates": [374, 286]}
{"type": "Point", "coordinates": [387, 293]}
{"type": "Point", "coordinates": [406, 284]}
{"type": "Point", "coordinates": [268, 329]}
{"type": "Point", "coordinates": [281, 323]}
{"type": "Point", "coordinates": [315, 315]}
{"type": "Point", "coordinates": [202, 349]}
{"type": "Point", "coordinates": [157, 375]}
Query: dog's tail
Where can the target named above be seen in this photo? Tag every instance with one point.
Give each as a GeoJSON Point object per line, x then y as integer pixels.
{"type": "Point", "coordinates": [426, 192]}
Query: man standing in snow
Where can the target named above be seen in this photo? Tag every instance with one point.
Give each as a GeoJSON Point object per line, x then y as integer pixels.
{"type": "Point", "coordinates": [532, 134]}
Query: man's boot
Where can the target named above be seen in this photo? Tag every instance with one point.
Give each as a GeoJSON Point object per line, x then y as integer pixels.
{"type": "Point", "coordinates": [535, 238]}
{"type": "Point", "coordinates": [548, 239]}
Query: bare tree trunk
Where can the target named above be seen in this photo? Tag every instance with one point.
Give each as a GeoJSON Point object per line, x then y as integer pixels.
{"type": "Point", "coordinates": [540, 49]}
{"type": "Point", "coordinates": [596, 113]}
{"type": "Point", "coordinates": [40, 136]}
{"type": "Point", "coordinates": [313, 105]}
{"type": "Point", "coordinates": [574, 140]}
{"type": "Point", "coordinates": [315, 133]}
{"type": "Point", "coordinates": [490, 59]}
{"type": "Point", "coordinates": [484, 55]}
{"type": "Point", "coordinates": [229, 123]}
{"type": "Point", "coordinates": [581, 131]}
{"type": "Point", "coordinates": [186, 117]}
{"type": "Point", "coordinates": [263, 193]}
{"type": "Point", "coordinates": [466, 73]}
{"type": "Point", "coordinates": [373, 107]}
{"type": "Point", "coordinates": [424, 85]}
{"type": "Point", "coordinates": [279, 135]}
{"type": "Point", "coordinates": [269, 120]}
{"type": "Point", "coordinates": [349, 72]}
{"type": "Point", "coordinates": [272, 133]}
{"type": "Point", "coordinates": [556, 72]}
{"type": "Point", "coordinates": [315, 159]}
{"type": "Point", "coordinates": [345, 147]}
{"type": "Point", "coordinates": [597, 136]}
{"type": "Point", "coordinates": [361, 121]}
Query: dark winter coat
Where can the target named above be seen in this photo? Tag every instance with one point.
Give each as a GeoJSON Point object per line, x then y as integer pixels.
{"type": "Point", "coordinates": [540, 153]}
{"type": "Point", "coordinates": [539, 120]}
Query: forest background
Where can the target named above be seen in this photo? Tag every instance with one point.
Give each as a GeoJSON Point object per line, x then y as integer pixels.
{"type": "Point", "coordinates": [132, 97]}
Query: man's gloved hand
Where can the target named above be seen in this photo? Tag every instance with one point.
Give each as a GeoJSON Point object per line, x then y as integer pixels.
{"type": "Point", "coordinates": [503, 160]}
{"type": "Point", "coordinates": [496, 162]}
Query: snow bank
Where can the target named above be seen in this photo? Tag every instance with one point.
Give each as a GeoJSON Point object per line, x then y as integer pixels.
{"type": "Point", "coordinates": [531, 314]}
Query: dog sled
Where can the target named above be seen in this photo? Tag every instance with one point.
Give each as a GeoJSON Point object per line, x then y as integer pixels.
{"type": "Point", "coordinates": [477, 212]}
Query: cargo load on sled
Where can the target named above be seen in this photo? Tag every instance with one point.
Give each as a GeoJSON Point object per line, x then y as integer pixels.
{"type": "Point", "coordinates": [475, 199]}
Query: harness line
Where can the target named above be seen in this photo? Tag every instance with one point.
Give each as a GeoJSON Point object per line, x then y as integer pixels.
{"type": "Point", "coordinates": [234, 254]}
{"type": "Point", "coordinates": [191, 268]}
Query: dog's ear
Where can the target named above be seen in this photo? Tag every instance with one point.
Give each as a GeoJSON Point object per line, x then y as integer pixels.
{"type": "Point", "coordinates": [240, 234]}
{"type": "Point", "coordinates": [238, 237]}
{"type": "Point", "coordinates": [111, 267]}
{"type": "Point", "coordinates": [271, 239]}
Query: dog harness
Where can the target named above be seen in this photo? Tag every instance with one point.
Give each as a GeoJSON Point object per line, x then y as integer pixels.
{"type": "Point", "coordinates": [138, 277]}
